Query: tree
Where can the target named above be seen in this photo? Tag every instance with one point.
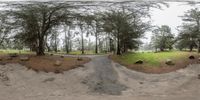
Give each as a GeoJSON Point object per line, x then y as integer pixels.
{"type": "Point", "coordinates": [36, 20]}
{"type": "Point", "coordinates": [162, 38]}
{"type": "Point", "coordinates": [82, 23]}
{"type": "Point", "coordinates": [126, 26]}
{"type": "Point", "coordinates": [192, 19]}
{"type": "Point", "coordinates": [187, 37]}
{"type": "Point", "coordinates": [5, 29]}
{"type": "Point", "coordinates": [54, 40]}
{"type": "Point", "coordinates": [96, 27]}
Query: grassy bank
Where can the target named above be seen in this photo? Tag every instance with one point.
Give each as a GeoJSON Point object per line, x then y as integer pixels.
{"type": "Point", "coordinates": [155, 62]}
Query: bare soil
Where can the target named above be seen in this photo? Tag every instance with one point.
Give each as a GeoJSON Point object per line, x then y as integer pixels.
{"type": "Point", "coordinates": [100, 79]}
{"type": "Point", "coordinates": [46, 63]}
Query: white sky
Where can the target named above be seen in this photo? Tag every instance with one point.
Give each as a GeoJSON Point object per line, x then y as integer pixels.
{"type": "Point", "coordinates": [168, 16]}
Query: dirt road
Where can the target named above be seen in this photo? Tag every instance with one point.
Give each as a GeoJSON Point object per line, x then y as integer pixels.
{"type": "Point", "coordinates": [100, 79]}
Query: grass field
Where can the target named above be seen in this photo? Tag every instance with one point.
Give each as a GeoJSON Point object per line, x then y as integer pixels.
{"type": "Point", "coordinates": [155, 62]}
{"type": "Point", "coordinates": [154, 59]}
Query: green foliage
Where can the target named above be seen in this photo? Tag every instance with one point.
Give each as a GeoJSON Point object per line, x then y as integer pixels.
{"type": "Point", "coordinates": [126, 26]}
{"type": "Point", "coordinates": [162, 38]}
{"type": "Point", "coordinates": [189, 36]}
{"type": "Point", "coordinates": [36, 20]}
{"type": "Point", "coordinates": [5, 30]}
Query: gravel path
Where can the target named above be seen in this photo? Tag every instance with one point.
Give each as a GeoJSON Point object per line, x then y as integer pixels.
{"type": "Point", "coordinates": [100, 79]}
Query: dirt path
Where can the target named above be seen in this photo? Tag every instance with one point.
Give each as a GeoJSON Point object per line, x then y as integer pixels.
{"type": "Point", "coordinates": [100, 79]}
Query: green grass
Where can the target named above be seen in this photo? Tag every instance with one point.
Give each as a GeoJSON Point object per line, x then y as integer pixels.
{"type": "Point", "coordinates": [153, 58]}
{"type": "Point", "coordinates": [7, 51]}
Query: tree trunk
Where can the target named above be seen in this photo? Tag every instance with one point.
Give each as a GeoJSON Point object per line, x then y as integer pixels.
{"type": "Point", "coordinates": [40, 50]}
{"type": "Point", "coordinates": [191, 48]}
{"type": "Point", "coordinates": [96, 47]}
{"type": "Point", "coordinates": [82, 42]}
{"type": "Point", "coordinates": [161, 49]}
{"type": "Point", "coordinates": [198, 46]}
{"type": "Point", "coordinates": [118, 46]}
{"type": "Point", "coordinates": [48, 48]}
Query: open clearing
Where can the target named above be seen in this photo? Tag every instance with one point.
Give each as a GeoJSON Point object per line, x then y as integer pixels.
{"type": "Point", "coordinates": [155, 62]}
{"type": "Point", "coordinates": [100, 79]}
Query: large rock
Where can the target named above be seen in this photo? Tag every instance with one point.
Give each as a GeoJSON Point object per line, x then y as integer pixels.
{"type": "Point", "coordinates": [169, 62]}
{"type": "Point", "coordinates": [139, 62]}
{"type": "Point", "coordinates": [58, 63]}
{"type": "Point", "coordinates": [191, 57]}
{"type": "Point", "coordinates": [24, 58]}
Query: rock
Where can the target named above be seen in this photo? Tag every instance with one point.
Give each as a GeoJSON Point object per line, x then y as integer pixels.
{"type": "Point", "coordinates": [169, 62]}
{"type": "Point", "coordinates": [24, 58]}
{"type": "Point", "coordinates": [49, 79]}
{"type": "Point", "coordinates": [13, 55]}
{"type": "Point", "coordinates": [58, 63]}
{"type": "Point", "coordinates": [191, 57]}
{"type": "Point", "coordinates": [139, 62]}
{"type": "Point", "coordinates": [79, 59]}
{"type": "Point", "coordinates": [62, 56]}
{"type": "Point", "coordinates": [57, 71]}
{"type": "Point", "coordinates": [198, 76]}
{"type": "Point", "coordinates": [1, 58]}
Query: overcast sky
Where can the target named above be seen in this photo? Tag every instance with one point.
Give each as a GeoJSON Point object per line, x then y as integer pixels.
{"type": "Point", "coordinates": [169, 16]}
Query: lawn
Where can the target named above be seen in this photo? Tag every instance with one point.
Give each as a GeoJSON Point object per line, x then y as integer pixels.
{"type": "Point", "coordinates": [156, 61]}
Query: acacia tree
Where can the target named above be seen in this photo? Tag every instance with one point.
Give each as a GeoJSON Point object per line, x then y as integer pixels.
{"type": "Point", "coordinates": [126, 26]}
{"type": "Point", "coordinates": [187, 37]}
{"type": "Point", "coordinates": [192, 17]}
{"type": "Point", "coordinates": [35, 21]}
{"type": "Point", "coordinates": [162, 38]}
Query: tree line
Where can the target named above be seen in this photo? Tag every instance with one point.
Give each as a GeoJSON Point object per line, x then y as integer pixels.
{"type": "Point", "coordinates": [188, 36]}
{"type": "Point", "coordinates": [37, 25]}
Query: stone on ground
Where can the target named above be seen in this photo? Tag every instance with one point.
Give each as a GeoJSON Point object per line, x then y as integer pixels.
{"type": "Point", "coordinates": [139, 62]}
{"type": "Point", "coordinates": [191, 57]}
{"type": "Point", "coordinates": [62, 56]}
{"type": "Point", "coordinates": [79, 59]}
{"type": "Point", "coordinates": [169, 62]}
{"type": "Point", "coordinates": [58, 63]}
{"type": "Point", "coordinates": [24, 58]}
